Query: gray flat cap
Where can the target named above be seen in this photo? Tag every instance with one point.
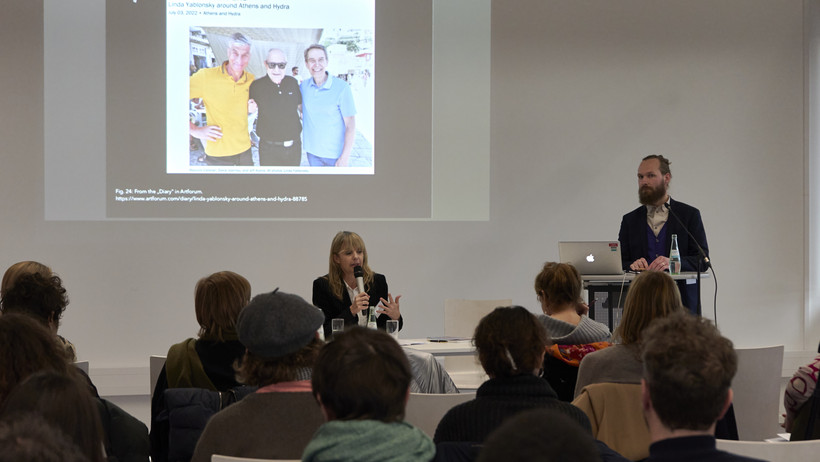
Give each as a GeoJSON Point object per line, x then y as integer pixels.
{"type": "Point", "coordinates": [277, 324]}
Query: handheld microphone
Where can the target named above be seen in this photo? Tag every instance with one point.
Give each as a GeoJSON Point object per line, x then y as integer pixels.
{"type": "Point", "coordinates": [358, 272]}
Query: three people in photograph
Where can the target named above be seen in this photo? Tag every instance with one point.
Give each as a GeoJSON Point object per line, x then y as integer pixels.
{"type": "Point", "coordinates": [299, 121]}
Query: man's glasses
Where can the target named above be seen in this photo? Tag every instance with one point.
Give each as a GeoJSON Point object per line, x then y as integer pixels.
{"type": "Point", "coordinates": [274, 65]}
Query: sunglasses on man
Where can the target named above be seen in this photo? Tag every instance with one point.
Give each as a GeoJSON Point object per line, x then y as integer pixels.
{"type": "Point", "coordinates": [275, 65]}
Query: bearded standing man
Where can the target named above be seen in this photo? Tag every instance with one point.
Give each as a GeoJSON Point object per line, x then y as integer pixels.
{"type": "Point", "coordinates": [646, 232]}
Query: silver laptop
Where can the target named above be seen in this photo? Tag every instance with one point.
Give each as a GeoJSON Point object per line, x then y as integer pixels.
{"type": "Point", "coordinates": [592, 257]}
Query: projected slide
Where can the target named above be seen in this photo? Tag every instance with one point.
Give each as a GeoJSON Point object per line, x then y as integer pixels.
{"type": "Point", "coordinates": [271, 88]}
{"type": "Point", "coordinates": [233, 133]}
{"type": "Point", "coordinates": [264, 110]}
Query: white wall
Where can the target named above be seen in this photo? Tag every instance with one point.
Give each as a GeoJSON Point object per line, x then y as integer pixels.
{"type": "Point", "coordinates": [580, 92]}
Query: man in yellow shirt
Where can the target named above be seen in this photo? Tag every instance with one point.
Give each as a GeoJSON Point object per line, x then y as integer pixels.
{"type": "Point", "coordinates": [224, 92]}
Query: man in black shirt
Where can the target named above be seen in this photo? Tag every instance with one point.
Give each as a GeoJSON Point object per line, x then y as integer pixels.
{"type": "Point", "coordinates": [278, 124]}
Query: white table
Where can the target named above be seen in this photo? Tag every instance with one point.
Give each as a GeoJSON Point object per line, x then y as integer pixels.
{"type": "Point", "coordinates": [448, 348]}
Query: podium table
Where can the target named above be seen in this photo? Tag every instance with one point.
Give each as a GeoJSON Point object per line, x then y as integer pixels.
{"type": "Point", "coordinates": [606, 293]}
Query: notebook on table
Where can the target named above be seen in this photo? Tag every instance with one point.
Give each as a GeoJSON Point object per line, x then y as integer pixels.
{"type": "Point", "coordinates": [592, 257]}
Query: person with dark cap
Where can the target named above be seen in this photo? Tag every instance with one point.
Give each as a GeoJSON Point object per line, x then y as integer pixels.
{"type": "Point", "coordinates": [279, 331]}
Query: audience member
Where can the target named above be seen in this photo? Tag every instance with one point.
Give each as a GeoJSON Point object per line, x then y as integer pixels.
{"type": "Point", "coordinates": [686, 388]}
{"type": "Point", "coordinates": [337, 292]}
{"type": "Point", "coordinates": [522, 438]}
{"type": "Point", "coordinates": [26, 347]}
{"type": "Point", "coordinates": [30, 438]}
{"type": "Point", "coordinates": [207, 361]}
{"type": "Point", "coordinates": [558, 287]}
{"type": "Point", "coordinates": [651, 295]}
{"type": "Point", "coordinates": [361, 381]}
{"type": "Point", "coordinates": [39, 295]}
{"type": "Point", "coordinates": [511, 343]}
{"type": "Point", "coordinates": [574, 335]}
{"type": "Point", "coordinates": [20, 268]}
{"type": "Point", "coordinates": [800, 395]}
{"type": "Point", "coordinates": [278, 420]}
{"type": "Point", "coordinates": [64, 401]}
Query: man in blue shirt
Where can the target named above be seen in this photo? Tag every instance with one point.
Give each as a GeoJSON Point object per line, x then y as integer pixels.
{"type": "Point", "coordinates": [328, 113]}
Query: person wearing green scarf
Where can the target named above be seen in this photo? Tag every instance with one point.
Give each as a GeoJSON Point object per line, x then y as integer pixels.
{"type": "Point", "coordinates": [361, 381]}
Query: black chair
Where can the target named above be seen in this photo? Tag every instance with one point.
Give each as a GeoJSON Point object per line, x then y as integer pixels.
{"type": "Point", "coordinates": [561, 377]}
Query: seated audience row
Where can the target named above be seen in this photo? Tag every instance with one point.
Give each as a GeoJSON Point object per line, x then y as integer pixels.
{"type": "Point", "coordinates": [359, 383]}
{"type": "Point", "coordinates": [685, 389]}
{"type": "Point", "coordinates": [275, 422]}
{"type": "Point", "coordinates": [32, 304]}
{"type": "Point", "coordinates": [36, 377]}
{"type": "Point", "coordinates": [208, 362]}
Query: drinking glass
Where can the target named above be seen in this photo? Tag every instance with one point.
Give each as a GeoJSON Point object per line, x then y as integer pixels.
{"type": "Point", "coordinates": [393, 328]}
{"type": "Point", "coordinates": [337, 325]}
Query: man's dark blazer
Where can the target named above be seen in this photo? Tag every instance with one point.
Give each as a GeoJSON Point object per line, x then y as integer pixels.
{"type": "Point", "coordinates": [633, 235]}
{"type": "Point", "coordinates": [335, 308]}
{"type": "Point", "coordinates": [634, 244]}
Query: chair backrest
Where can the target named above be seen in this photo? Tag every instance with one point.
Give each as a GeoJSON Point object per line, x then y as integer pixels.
{"type": "Point", "coordinates": [82, 365]}
{"type": "Point", "coordinates": [784, 451]}
{"type": "Point", "coordinates": [462, 316]}
{"type": "Point", "coordinates": [460, 320]}
{"type": "Point", "coordinates": [561, 376]}
{"type": "Point", "coordinates": [155, 364]}
{"type": "Point", "coordinates": [616, 415]}
{"type": "Point", "coordinates": [218, 458]}
{"type": "Point", "coordinates": [756, 389]}
{"type": "Point", "coordinates": [425, 410]}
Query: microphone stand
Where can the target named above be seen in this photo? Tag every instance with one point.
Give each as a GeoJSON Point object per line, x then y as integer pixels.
{"type": "Point", "coordinates": [701, 253]}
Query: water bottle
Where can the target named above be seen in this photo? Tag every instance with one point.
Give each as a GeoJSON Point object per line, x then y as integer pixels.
{"type": "Point", "coordinates": [371, 318]}
{"type": "Point", "coordinates": [674, 256]}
